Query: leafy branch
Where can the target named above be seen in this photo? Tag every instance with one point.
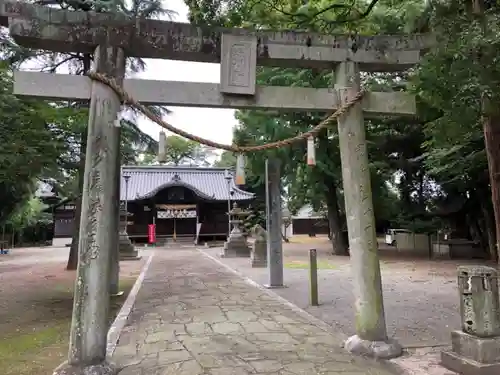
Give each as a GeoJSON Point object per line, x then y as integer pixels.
{"type": "Point", "coordinates": [307, 14]}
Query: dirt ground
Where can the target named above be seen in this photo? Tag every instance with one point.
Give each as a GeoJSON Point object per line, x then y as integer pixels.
{"type": "Point", "coordinates": [35, 308]}
{"type": "Point", "coordinates": [420, 295]}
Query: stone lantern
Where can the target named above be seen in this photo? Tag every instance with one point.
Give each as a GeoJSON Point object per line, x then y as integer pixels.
{"type": "Point", "coordinates": [236, 245]}
{"type": "Point", "coordinates": [126, 248]}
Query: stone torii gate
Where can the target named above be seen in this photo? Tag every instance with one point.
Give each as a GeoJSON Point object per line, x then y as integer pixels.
{"type": "Point", "coordinates": [113, 37]}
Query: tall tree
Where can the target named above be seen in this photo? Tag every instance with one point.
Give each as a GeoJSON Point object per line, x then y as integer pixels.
{"type": "Point", "coordinates": [184, 151]}
{"type": "Point", "coordinates": [452, 83]}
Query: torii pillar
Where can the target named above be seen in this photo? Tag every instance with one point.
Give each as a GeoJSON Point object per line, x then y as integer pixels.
{"type": "Point", "coordinates": [371, 333]}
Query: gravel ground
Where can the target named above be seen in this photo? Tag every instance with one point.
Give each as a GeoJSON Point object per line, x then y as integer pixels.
{"type": "Point", "coordinates": [421, 297]}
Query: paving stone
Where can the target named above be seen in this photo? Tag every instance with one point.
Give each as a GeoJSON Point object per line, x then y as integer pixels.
{"type": "Point", "coordinates": [130, 370]}
{"type": "Point", "coordinates": [278, 347]}
{"type": "Point", "coordinates": [275, 337]}
{"type": "Point", "coordinates": [241, 316]}
{"type": "Point", "coordinates": [252, 327]}
{"type": "Point", "coordinates": [301, 368]}
{"type": "Point", "coordinates": [205, 344]}
{"type": "Point", "coordinates": [297, 329]}
{"type": "Point", "coordinates": [190, 367]}
{"type": "Point", "coordinates": [159, 336]}
{"type": "Point", "coordinates": [266, 365]}
{"type": "Point", "coordinates": [182, 318]}
{"type": "Point", "coordinates": [176, 345]}
{"type": "Point", "coordinates": [208, 361]}
{"type": "Point", "coordinates": [173, 356]}
{"type": "Point", "coordinates": [271, 325]}
{"type": "Point", "coordinates": [152, 348]}
{"type": "Point", "coordinates": [322, 338]}
{"type": "Point", "coordinates": [200, 328]}
{"type": "Point", "coordinates": [126, 350]}
{"type": "Point", "coordinates": [284, 319]}
{"type": "Point", "coordinates": [229, 371]}
{"type": "Point", "coordinates": [150, 363]}
{"type": "Point", "coordinates": [239, 344]}
{"type": "Point", "coordinates": [226, 327]}
{"type": "Point", "coordinates": [210, 317]}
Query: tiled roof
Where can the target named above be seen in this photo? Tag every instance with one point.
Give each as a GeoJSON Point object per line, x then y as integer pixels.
{"type": "Point", "coordinates": [208, 183]}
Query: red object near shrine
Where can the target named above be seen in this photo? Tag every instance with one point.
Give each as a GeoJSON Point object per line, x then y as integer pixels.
{"type": "Point", "coordinates": [152, 233]}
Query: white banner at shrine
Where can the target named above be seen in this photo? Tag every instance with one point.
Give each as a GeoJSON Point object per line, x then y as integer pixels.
{"type": "Point", "coordinates": [178, 214]}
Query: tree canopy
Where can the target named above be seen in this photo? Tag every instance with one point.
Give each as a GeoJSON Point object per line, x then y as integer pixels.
{"type": "Point", "coordinates": [429, 172]}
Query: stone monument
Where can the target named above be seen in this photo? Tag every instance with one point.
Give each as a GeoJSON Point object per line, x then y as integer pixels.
{"type": "Point", "coordinates": [127, 249]}
{"type": "Point", "coordinates": [259, 248]}
{"type": "Point", "coordinates": [475, 349]}
{"type": "Point", "coordinates": [236, 245]}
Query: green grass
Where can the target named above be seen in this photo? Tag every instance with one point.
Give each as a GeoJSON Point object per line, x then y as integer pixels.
{"type": "Point", "coordinates": [30, 342]}
{"type": "Point", "coordinates": [39, 347]}
{"type": "Point", "coordinates": [36, 352]}
{"type": "Point", "coordinates": [322, 265]}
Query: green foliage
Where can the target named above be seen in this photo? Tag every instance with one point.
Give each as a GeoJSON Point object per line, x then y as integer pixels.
{"type": "Point", "coordinates": [29, 214]}
{"type": "Point", "coordinates": [135, 142]}
{"type": "Point", "coordinates": [28, 145]}
{"type": "Point", "coordinates": [451, 80]}
{"type": "Point", "coordinates": [227, 160]}
{"type": "Point", "coordinates": [181, 151]}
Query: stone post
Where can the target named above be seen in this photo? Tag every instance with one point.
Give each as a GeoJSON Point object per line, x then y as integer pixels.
{"type": "Point", "coordinates": [259, 247]}
{"type": "Point", "coordinates": [475, 350]}
{"type": "Point", "coordinates": [99, 219]}
{"type": "Point", "coordinates": [273, 215]}
{"type": "Point", "coordinates": [371, 335]}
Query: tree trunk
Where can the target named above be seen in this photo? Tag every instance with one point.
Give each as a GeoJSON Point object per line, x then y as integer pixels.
{"type": "Point", "coordinates": [336, 235]}
{"type": "Point", "coordinates": [73, 252]}
{"type": "Point", "coordinates": [476, 233]}
{"type": "Point", "coordinates": [491, 233]}
{"type": "Point", "coordinates": [491, 127]}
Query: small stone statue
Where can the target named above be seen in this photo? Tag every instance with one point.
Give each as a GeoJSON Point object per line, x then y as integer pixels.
{"type": "Point", "coordinates": [259, 248]}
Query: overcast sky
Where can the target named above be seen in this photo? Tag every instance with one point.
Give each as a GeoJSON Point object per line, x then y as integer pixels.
{"type": "Point", "coordinates": [211, 123]}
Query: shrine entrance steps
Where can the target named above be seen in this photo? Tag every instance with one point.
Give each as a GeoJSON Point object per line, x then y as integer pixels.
{"type": "Point", "coordinates": [179, 241]}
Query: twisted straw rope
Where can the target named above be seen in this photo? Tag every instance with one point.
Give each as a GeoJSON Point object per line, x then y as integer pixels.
{"type": "Point", "coordinates": [128, 100]}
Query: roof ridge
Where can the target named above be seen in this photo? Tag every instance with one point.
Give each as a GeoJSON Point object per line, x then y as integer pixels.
{"type": "Point", "coordinates": [163, 167]}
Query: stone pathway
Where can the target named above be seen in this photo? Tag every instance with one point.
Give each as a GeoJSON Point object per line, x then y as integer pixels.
{"type": "Point", "coordinates": [194, 317]}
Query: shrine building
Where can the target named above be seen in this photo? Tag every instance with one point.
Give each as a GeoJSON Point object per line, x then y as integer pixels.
{"type": "Point", "coordinates": [179, 200]}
